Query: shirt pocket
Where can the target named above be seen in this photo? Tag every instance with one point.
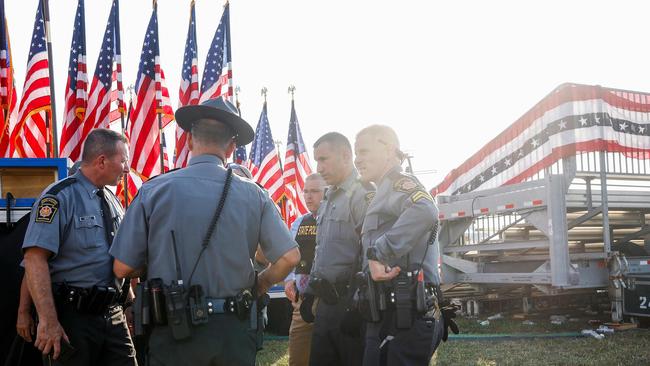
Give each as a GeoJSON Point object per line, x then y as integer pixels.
{"type": "Point", "coordinates": [89, 231]}
{"type": "Point", "coordinates": [342, 228]}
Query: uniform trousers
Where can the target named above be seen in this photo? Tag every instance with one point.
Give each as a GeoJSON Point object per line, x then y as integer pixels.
{"type": "Point", "coordinates": [225, 340]}
{"type": "Point", "coordinates": [414, 346]}
{"type": "Point", "coordinates": [329, 346]}
{"type": "Point", "coordinates": [98, 340]}
{"type": "Point", "coordinates": [299, 338]}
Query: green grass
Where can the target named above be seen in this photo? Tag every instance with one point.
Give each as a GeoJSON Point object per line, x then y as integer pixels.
{"type": "Point", "coordinates": [630, 347]}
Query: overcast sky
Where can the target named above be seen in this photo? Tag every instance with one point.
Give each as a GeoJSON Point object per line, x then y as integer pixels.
{"type": "Point", "coordinates": [447, 75]}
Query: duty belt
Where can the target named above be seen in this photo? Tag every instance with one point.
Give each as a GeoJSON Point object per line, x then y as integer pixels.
{"type": "Point", "coordinates": [330, 293]}
{"type": "Point", "coordinates": [93, 300]}
{"type": "Point", "coordinates": [221, 306]}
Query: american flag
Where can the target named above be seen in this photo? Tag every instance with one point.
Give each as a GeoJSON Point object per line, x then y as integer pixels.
{"type": "Point", "coordinates": [134, 181]}
{"type": "Point", "coordinates": [296, 169]}
{"type": "Point", "coordinates": [8, 112]}
{"type": "Point", "coordinates": [33, 133]}
{"type": "Point", "coordinates": [152, 98]}
{"type": "Point", "coordinates": [265, 163]}
{"type": "Point", "coordinates": [75, 91]}
{"type": "Point", "coordinates": [572, 119]}
{"type": "Point", "coordinates": [106, 93]}
{"type": "Point", "coordinates": [217, 72]}
{"type": "Point", "coordinates": [240, 155]}
{"type": "Point", "coordinates": [188, 93]}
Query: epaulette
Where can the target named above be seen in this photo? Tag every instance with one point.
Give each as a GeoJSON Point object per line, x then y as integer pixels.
{"type": "Point", "coordinates": [167, 172]}
{"type": "Point", "coordinates": [58, 187]}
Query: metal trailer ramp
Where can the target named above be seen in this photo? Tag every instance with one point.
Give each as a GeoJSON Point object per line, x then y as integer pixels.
{"type": "Point", "coordinates": [558, 233]}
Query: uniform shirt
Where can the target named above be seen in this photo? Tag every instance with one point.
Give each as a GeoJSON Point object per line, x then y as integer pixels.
{"type": "Point", "coordinates": [294, 230]}
{"type": "Point", "coordinates": [67, 221]}
{"type": "Point", "coordinates": [399, 221]}
{"type": "Point", "coordinates": [339, 221]}
{"type": "Point", "coordinates": [184, 201]}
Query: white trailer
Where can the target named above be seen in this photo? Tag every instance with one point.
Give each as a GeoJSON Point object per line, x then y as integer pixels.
{"type": "Point", "coordinates": [578, 224]}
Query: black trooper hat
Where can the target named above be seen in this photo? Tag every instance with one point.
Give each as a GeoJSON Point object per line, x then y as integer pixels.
{"type": "Point", "coordinates": [219, 109]}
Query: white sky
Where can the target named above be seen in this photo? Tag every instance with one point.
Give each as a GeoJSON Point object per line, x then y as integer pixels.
{"type": "Point", "coordinates": [447, 75]}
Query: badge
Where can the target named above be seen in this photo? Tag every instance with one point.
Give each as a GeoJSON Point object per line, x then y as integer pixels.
{"type": "Point", "coordinates": [406, 185]}
{"type": "Point", "coordinates": [47, 208]}
{"type": "Point", "coordinates": [370, 196]}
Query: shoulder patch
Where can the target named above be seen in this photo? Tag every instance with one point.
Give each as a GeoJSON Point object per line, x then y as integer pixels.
{"type": "Point", "coordinates": [370, 196]}
{"type": "Point", "coordinates": [407, 185]}
{"type": "Point", "coordinates": [420, 195]}
{"type": "Point", "coordinates": [55, 189]}
{"type": "Point", "coordinates": [47, 209]}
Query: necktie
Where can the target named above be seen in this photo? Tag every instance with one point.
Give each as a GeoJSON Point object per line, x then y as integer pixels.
{"type": "Point", "coordinates": [107, 217]}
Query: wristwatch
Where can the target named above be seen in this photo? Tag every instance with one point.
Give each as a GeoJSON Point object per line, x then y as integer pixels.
{"type": "Point", "coordinates": [371, 254]}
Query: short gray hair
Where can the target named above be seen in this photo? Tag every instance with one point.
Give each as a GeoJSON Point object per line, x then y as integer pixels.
{"type": "Point", "coordinates": [212, 132]}
{"type": "Point", "coordinates": [314, 176]}
{"type": "Point", "coordinates": [101, 141]}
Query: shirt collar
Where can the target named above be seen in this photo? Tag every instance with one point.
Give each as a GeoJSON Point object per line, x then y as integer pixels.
{"type": "Point", "coordinates": [349, 181]}
{"type": "Point", "coordinates": [394, 170]}
{"type": "Point", "coordinates": [206, 158]}
{"type": "Point", "coordinates": [86, 183]}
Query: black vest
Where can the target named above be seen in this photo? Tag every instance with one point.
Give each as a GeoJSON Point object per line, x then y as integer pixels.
{"type": "Point", "coordinates": [306, 239]}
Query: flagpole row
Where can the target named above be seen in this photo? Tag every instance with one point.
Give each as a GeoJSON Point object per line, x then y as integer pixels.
{"type": "Point", "coordinates": [125, 178]}
{"type": "Point", "coordinates": [52, 116]}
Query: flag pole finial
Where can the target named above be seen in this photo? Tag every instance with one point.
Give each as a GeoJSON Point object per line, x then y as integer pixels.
{"type": "Point", "coordinates": [237, 90]}
{"type": "Point", "coordinates": [264, 92]}
{"type": "Point", "coordinates": [292, 90]}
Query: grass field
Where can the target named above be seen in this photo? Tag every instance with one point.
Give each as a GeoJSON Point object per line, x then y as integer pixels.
{"type": "Point", "coordinates": [631, 347]}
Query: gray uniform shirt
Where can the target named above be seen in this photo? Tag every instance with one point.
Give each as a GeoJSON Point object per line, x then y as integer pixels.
{"type": "Point", "coordinates": [339, 221]}
{"type": "Point", "coordinates": [399, 221]}
{"type": "Point", "coordinates": [184, 201]}
{"type": "Point", "coordinates": [67, 221]}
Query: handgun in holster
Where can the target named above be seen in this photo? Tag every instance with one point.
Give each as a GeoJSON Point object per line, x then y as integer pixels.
{"type": "Point", "coordinates": [325, 290]}
{"type": "Point", "coordinates": [368, 297]}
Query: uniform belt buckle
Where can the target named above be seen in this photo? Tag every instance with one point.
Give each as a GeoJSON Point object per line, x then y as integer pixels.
{"type": "Point", "coordinates": [219, 306]}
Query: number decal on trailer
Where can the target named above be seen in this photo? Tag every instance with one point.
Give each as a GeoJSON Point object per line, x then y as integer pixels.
{"type": "Point", "coordinates": [644, 302]}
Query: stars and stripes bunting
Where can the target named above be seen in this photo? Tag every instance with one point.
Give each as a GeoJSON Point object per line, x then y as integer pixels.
{"type": "Point", "coordinates": [152, 98]}
{"type": "Point", "coordinates": [8, 95]}
{"type": "Point", "coordinates": [264, 160]}
{"type": "Point", "coordinates": [75, 90]}
{"type": "Point", "coordinates": [573, 119]}
{"type": "Point", "coordinates": [217, 72]}
{"type": "Point", "coordinates": [33, 133]}
{"type": "Point", "coordinates": [188, 93]}
{"type": "Point", "coordinates": [296, 169]}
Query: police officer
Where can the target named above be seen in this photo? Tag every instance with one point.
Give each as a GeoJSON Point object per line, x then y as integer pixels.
{"type": "Point", "coordinates": [304, 230]}
{"type": "Point", "coordinates": [165, 236]}
{"type": "Point", "coordinates": [396, 239]}
{"type": "Point", "coordinates": [67, 264]}
{"type": "Point", "coordinates": [338, 250]}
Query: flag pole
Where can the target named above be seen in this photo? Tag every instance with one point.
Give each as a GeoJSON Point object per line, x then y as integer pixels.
{"type": "Point", "coordinates": [237, 105]}
{"type": "Point", "coordinates": [52, 132]}
{"type": "Point", "coordinates": [125, 178]}
{"type": "Point", "coordinates": [161, 134]}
